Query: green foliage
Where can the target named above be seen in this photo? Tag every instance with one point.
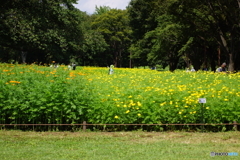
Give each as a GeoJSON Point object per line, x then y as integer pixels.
{"type": "Point", "coordinates": [156, 36]}
{"type": "Point", "coordinates": [170, 33]}
{"type": "Point", "coordinates": [211, 23]}
{"type": "Point", "coordinates": [163, 31]}
{"type": "Point", "coordinates": [40, 95]}
{"type": "Point", "coordinates": [113, 25]}
{"type": "Point", "coordinates": [49, 26]}
{"type": "Point", "coordinates": [101, 10]}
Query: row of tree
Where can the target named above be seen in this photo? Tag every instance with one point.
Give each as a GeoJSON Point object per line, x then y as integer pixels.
{"type": "Point", "coordinates": [202, 33]}
{"type": "Point", "coordinates": [170, 33]}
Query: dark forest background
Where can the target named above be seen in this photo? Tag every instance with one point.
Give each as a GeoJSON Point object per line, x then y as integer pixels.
{"type": "Point", "coordinates": [167, 33]}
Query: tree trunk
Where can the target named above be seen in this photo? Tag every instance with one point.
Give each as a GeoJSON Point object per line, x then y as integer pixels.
{"type": "Point", "coordinates": [230, 53]}
{"type": "Point", "coordinates": [231, 63]}
{"type": "Point", "coordinates": [130, 61]}
{"type": "Point", "coordinates": [120, 59]}
{"type": "Point", "coordinates": [238, 3]}
{"type": "Point", "coordinates": [205, 57]}
{"type": "Point", "coordinates": [24, 56]}
{"type": "Point", "coordinates": [212, 55]}
{"type": "Point", "coordinates": [219, 56]}
{"type": "Point", "coordinates": [115, 59]}
{"type": "Point", "coordinates": [173, 62]}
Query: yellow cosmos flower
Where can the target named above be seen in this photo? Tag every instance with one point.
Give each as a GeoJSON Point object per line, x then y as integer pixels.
{"type": "Point", "coordinates": [179, 112]}
{"type": "Point", "coordinates": [116, 117]}
{"type": "Point", "coordinates": [207, 107]}
{"type": "Point", "coordinates": [127, 111]}
{"type": "Point", "coordinates": [14, 82]}
{"type": "Point", "coordinates": [162, 104]}
{"type": "Point", "coordinates": [139, 104]}
{"type": "Point", "coordinates": [139, 114]}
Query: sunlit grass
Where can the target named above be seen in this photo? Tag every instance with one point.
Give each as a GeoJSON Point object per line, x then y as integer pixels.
{"type": "Point", "coordinates": [116, 145]}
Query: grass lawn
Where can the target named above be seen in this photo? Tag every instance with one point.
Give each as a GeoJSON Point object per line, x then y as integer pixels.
{"type": "Point", "coordinates": [117, 145]}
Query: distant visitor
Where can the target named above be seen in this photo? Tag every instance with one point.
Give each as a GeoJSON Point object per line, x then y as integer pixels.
{"type": "Point", "coordinates": [111, 69]}
{"type": "Point", "coordinates": [222, 68]}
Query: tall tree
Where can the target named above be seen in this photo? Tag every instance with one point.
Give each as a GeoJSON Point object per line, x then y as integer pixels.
{"type": "Point", "coordinates": [101, 10]}
{"type": "Point", "coordinates": [48, 26]}
{"type": "Point", "coordinates": [114, 26]}
{"type": "Point", "coordinates": [205, 31]}
{"type": "Point", "coordinates": [155, 35]}
{"type": "Point", "coordinates": [94, 44]}
{"type": "Point", "coordinates": [220, 18]}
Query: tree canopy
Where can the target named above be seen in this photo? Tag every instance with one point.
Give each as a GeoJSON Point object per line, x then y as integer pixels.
{"type": "Point", "coordinates": [47, 26]}
{"type": "Point", "coordinates": [201, 33]}
{"type": "Point", "coordinates": [172, 33]}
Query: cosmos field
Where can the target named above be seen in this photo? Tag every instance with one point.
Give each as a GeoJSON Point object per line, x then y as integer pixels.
{"type": "Point", "coordinates": [31, 94]}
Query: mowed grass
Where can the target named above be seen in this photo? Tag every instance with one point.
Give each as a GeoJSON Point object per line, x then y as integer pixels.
{"type": "Point", "coordinates": [116, 145]}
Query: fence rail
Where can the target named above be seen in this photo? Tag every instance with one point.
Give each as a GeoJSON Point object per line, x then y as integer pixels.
{"type": "Point", "coordinates": [85, 124]}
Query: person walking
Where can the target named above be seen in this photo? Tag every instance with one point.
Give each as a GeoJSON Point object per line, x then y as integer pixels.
{"type": "Point", "coordinates": [111, 69]}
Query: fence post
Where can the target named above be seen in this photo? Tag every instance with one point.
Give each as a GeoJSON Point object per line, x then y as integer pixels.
{"type": "Point", "coordinates": [235, 125]}
{"type": "Point", "coordinates": [84, 126]}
